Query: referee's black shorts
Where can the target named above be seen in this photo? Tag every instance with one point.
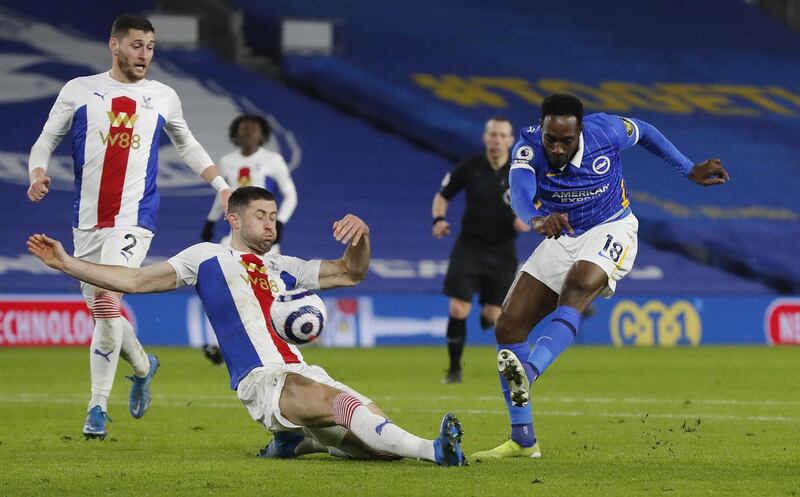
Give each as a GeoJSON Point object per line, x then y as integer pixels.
{"type": "Point", "coordinates": [474, 270]}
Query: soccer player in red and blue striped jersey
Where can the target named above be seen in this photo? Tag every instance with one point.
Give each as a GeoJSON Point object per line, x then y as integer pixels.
{"type": "Point", "coordinates": [115, 119]}
{"type": "Point", "coordinates": [307, 410]}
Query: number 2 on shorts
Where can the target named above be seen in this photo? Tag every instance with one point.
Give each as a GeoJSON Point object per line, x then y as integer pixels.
{"type": "Point", "coordinates": [127, 250]}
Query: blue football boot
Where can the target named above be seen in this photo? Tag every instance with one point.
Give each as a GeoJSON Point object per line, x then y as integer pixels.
{"type": "Point", "coordinates": [282, 446]}
{"type": "Point", "coordinates": [95, 426]}
{"type": "Point", "coordinates": [447, 447]}
{"type": "Point", "coordinates": [139, 401]}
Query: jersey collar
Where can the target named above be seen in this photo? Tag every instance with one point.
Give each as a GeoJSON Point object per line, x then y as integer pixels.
{"type": "Point", "coordinates": [576, 161]}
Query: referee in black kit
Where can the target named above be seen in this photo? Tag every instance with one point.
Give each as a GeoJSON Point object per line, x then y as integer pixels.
{"type": "Point", "coordinates": [484, 257]}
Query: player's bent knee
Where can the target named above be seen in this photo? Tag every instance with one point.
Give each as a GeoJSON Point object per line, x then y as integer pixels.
{"type": "Point", "coordinates": [509, 330]}
{"type": "Point", "coordinates": [307, 402]}
{"type": "Point", "coordinates": [581, 287]}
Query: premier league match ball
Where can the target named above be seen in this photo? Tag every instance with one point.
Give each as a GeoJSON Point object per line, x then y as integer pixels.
{"type": "Point", "coordinates": [298, 316]}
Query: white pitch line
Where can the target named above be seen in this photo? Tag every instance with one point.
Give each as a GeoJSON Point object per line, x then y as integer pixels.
{"type": "Point", "coordinates": [22, 399]}
{"type": "Point", "coordinates": [637, 415]}
{"type": "Point", "coordinates": [608, 400]}
{"type": "Point", "coordinates": [496, 398]}
{"type": "Point", "coordinates": [570, 400]}
{"type": "Point", "coordinates": [27, 399]}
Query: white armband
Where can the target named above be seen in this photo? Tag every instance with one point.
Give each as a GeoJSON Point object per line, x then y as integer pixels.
{"type": "Point", "coordinates": [220, 184]}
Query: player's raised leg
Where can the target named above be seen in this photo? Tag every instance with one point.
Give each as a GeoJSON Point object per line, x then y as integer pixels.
{"type": "Point", "coordinates": [595, 270]}
{"type": "Point", "coordinates": [584, 281]}
{"type": "Point", "coordinates": [527, 303]}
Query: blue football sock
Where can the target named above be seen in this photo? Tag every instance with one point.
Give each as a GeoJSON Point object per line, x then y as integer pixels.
{"type": "Point", "coordinates": [521, 417]}
{"type": "Point", "coordinates": [557, 336]}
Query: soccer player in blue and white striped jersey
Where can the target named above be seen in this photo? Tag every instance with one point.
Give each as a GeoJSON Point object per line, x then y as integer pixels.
{"type": "Point", "coordinates": [566, 182]}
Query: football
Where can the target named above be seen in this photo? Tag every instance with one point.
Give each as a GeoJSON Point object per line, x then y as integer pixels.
{"type": "Point", "coordinates": [298, 316]}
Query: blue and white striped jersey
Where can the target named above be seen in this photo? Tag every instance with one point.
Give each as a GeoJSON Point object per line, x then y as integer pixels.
{"type": "Point", "coordinates": [590, 188]}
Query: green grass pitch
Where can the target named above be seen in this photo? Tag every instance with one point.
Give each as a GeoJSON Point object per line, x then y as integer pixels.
{"type": "Point", "coordinates": [611, 422]}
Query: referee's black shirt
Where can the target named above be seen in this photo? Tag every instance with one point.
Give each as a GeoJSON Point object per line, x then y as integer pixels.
{"type": "Point", "coordinates": [488, 221]}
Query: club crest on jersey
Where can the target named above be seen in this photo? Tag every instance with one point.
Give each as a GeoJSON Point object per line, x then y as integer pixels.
{"type": "Point", "coordinates": [628, 126]}
{"type": "Point", "coordinates": [524, 153]}
{"type": "Point", "coordinates": [601, 165]}
{"type": "Point", "coordinates": [146, 102]}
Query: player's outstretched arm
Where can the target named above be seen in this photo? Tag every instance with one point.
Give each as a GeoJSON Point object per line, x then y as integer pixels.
{"type": "Point", "coordinates": [149, 279]}
{"type": "Point", "coordinates": [352, 267]}
{"type": "Point", "coordinates": [708, 173]}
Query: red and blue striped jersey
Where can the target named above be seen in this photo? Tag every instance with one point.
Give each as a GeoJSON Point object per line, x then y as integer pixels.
{"type": "Point", "coordinates": [116, 128]}
{"type": "Point", "coordinates": [237, 290]}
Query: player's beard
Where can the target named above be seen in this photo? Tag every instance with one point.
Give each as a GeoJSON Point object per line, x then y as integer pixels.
{"type": "Point", "coordinates": [256, 243]}
{"type": "Point", "coordinates": [560, 163]}
{"type": "Point", "coordinates": [555, 163]}
{"type": "Point", "coordinates": [128, 68]}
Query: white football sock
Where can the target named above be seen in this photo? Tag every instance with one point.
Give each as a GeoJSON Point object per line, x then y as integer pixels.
{"type": "Point", "coordinates": [103, 358]}
{"type": "Point", "coordinates": [330, 440]}
{"type": "Point", "coordinates": [132, 351]}
{"type": "Point", "coordinates": [309, 446]}
{"type": "Point", "coordinates": [377, 432]}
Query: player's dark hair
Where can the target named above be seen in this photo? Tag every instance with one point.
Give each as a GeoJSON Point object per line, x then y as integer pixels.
{"type": "Point", "coordinates": [233, 129]}
{"type": "Point", "coordinates": [560, 104]}
{"type": "Point", "coordinates": [242, 197]}
{"type": "Point", "coordinates": [124, 23]}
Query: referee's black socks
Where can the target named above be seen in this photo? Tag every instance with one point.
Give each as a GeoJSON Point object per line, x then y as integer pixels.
{"type": "Point", "coordinates": [456, 337]}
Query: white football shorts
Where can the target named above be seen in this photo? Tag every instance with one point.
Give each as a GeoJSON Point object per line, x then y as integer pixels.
{"type": "Point", "coordinates": [260, 392]}
{"type": "Point", "coordinates": [612, 246]}
{"type": "Point", "coordinates": [113, 246]}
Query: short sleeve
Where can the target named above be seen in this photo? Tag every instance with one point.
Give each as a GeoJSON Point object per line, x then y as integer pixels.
{"type": "Point", "coordinates": [186, 264]}
{"type": "Point", "coordinates": [304, 274]}
{"type": "Point", "coordinates": [454, 181]}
